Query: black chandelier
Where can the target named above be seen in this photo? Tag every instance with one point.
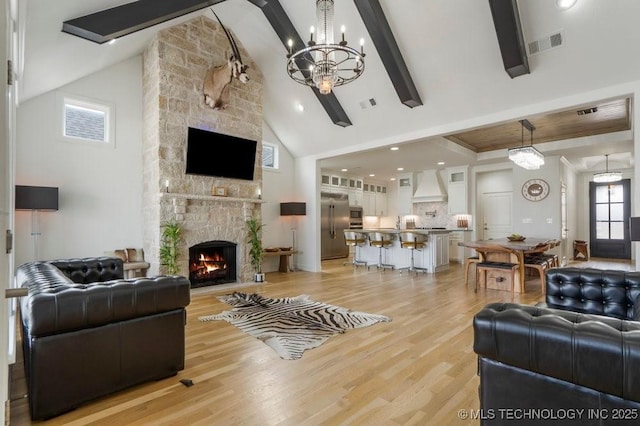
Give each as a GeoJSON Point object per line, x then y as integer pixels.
{"type": "Point", "coordinates": [325, 64]}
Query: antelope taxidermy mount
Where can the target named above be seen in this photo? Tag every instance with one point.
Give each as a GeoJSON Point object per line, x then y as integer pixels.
{"type": "Point", "coordinates": [217, 79]}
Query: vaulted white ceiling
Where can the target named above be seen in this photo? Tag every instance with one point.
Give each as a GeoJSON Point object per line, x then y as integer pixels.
{"type": "Point", "coordinates": [450, 48]}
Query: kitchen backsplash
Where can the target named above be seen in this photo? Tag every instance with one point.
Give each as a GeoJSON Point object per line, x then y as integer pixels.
{"type": "Point", "coordinates": [426, 215]}
{"type": "Point", "coordinates": [430, 215]}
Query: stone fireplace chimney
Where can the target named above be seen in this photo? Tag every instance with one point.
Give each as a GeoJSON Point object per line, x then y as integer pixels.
{"type": "Point", "coordinates": [175, 63]}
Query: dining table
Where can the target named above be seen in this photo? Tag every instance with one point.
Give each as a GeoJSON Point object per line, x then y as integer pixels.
{"type": "Point", "coordinates": [517, 249]}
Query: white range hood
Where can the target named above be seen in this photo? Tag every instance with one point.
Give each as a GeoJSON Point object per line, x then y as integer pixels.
{"type": "Point", "coordinates": [430, 188]}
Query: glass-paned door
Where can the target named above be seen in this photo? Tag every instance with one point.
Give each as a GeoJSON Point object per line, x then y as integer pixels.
{"type": "Point", "coordinates": [609, 219]}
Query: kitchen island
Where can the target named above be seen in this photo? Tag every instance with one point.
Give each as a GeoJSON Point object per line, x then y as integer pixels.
{"type": "Point", "coordinates": [433, 258]}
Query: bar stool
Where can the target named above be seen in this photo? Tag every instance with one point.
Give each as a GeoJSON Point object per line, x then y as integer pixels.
{"type": "Point", "coordinates": [382, 241]}
{"type": "Point", "coordinates": [355, 240]}
{"type": "Point", "coordinates": [412, 241]}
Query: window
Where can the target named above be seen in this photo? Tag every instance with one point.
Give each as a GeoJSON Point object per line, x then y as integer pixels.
{"type": "Point", "coordinates": [86, 121]}
{"type": "Point", "coordinates": [269, 156]}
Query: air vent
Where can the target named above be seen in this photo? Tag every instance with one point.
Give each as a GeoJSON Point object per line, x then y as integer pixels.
{"type": "Point", "coordinates": [368, 103]}
{"type": "Point", "coordinates": [587, 111]}
{"type": "Point", "coordinates": [546, 43]}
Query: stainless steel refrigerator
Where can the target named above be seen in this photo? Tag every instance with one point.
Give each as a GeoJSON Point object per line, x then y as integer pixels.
{"type": "Point", "coordinates": [334, 220]}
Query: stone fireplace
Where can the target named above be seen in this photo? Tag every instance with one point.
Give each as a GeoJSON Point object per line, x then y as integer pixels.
{"type": "Point", "coordinates": [175, 63]}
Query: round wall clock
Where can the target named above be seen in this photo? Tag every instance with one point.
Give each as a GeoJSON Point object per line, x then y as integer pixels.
{"type": "Point", "coordinates": [535, 189]}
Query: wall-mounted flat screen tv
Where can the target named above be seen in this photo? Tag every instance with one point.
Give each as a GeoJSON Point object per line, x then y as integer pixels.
{"type": "Point", "coordinates": [216, 154]}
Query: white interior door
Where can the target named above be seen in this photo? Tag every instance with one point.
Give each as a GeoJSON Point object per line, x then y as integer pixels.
{"type": "Point", "coordinates": [8, 43]}
{"type": "Point", "coordinates": [496, 215]}
{"type": "Point", "coordinates": [564, 227]}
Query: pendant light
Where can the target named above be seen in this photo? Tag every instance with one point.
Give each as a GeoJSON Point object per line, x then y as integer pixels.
{"type": "Point", "coordinates": [607, 176]}
{"type": "Point", "coordinates": [526, 157]}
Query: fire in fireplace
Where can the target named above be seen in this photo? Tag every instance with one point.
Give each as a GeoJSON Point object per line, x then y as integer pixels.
{"type": "Point", "coordinates": [211, 263]}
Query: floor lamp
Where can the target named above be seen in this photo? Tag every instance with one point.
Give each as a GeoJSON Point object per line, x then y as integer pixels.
{"type": "Point", "coordinates": [293, 209]}
{"type": "Point", "coordinates": [36, 198]}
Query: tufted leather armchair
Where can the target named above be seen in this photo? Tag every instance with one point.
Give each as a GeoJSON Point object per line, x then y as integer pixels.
{"type": "Point", "coordinates": [87, 332]}
{"type": "Point", "coordinates": [578, 351]}
{"type": "Point", "coordinates": [595, 291]}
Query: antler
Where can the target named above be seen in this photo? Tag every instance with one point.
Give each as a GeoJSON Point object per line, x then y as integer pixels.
{"type": "Point", "coordinates": [232, 42]}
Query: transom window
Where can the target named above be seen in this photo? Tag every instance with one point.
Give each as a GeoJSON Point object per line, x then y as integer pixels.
{"type": "Point", "coordinates": [84, 120]}
{"type": "Point", "coordinates": [85, 123]}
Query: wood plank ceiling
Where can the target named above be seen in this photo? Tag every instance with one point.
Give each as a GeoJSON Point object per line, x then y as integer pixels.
{"type": "Point", "coordinates": [608, 117]}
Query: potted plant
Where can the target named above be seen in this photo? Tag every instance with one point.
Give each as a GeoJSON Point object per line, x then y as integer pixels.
{"type": "Point", "coordinates": [169, 247]}
{"type": "Point", "coordinates": [255, 251]}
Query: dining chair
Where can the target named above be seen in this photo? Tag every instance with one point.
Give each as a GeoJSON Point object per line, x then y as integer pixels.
{"type": "Point", "coordinates": [473, 260]}
{"type": "Point", "coordinates": [536, 259]}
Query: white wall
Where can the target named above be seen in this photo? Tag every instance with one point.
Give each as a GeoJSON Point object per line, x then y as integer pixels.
{"type": "Point", "coordinates": [540, 219]}
{"type": "Point", "coordinates": [307, 181]}
{"type": "Point", "coordinates": [277, 187]}
{"type": "Point", "coordinates": [100, 187]}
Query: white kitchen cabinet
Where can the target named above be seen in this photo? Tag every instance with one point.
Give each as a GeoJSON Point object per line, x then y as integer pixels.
{"type": "Point", "coordinates": [405, 194]}
{"type": "Point", "coordinates": [439, 251]}
{"type": "Point", "coordinates": [456, 253]}
{"type": "Point", "coordinates": [381, 201]}
{"type": "Point", "coordinates": [325, 183]}
{"type": "Point", "coordinates": [459, 253]}
{"type": "Point", "coordinates": [457, 190]}
{"type": "Point", "coordinates": [342, 185]}
{"type": "Point", "coordinates": [355, 192]}
{"type": "Point", "coordinates": [374, 199]}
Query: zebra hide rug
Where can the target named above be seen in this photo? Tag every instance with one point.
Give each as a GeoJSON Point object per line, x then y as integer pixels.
{"type": "Point", "coordinates": [290, 325]}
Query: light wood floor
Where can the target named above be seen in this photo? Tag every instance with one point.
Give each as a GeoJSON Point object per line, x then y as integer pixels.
{"type": "Point", "coordinates": [418, 369]}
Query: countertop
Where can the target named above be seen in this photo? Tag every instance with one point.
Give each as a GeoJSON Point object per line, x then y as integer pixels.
{"type": "Point", "coordinates": [397, 231]}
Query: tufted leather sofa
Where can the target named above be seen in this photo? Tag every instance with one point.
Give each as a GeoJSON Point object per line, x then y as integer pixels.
{"type": "Point", "coordinates": [578, 351]}
{"type": "Point", "coordinates": [87, 332]}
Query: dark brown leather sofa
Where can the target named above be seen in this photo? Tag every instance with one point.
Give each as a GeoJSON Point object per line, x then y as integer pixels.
{"type": "Point", "coordinates": [87, 332]}
{"type": "Point", "coordinates": [574, 360]}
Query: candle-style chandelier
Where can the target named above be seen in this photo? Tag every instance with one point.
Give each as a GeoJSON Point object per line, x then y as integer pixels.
{"type": "Point", "coordinates": [323, 63]}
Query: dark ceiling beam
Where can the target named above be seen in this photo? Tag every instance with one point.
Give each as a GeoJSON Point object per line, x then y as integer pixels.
{"type": "Point", "coordinates": [109, 24]}
{"type": "Point", "coordinates": [506, 20]}
{"type": "Point", "coordinates": [285, 30]}
{"type": "Point", "coordinates": [385, 43]}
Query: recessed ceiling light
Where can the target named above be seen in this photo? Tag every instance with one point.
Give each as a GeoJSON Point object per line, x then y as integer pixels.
{"type": "Point", "coordinates": [400, 169]}
{"type": "Point", "coordinates": [372, 175]}
{"type": "Point", "coordinates": [394, 148]}
{"type": "Point", "coordinates": [392, 179]}
{"type": "Point", "coordinates": [344, 170]}
{"type": "Point", "coordinates": [565, 4]}
{"type": "Point", "coordinates": [440, 163]}
{"type": "Point", "coordinates": [299, 107]}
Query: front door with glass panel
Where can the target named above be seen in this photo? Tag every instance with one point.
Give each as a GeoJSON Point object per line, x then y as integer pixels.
{"type": "Point", "coordinates": [610, 208]}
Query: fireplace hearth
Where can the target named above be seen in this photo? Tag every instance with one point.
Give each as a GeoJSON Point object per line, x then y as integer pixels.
{"type": "Point", "coordinates": [212, 263]}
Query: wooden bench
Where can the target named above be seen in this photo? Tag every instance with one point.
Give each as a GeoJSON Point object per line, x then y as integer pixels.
{"type": "Point", "coordinates": [284, 258]}
{"type": "Point", "coordinates": [496, 275]}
